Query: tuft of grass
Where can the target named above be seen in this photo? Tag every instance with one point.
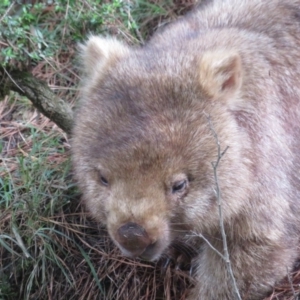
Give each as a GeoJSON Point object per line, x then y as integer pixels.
{"type": "Point", "coordinates": [33, 33]}
{"type": "Point", "coordinates": [35, 186]}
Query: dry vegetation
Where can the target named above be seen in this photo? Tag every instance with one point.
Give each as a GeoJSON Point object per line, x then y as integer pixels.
{"type": "Point", "coordinates": [49, 247]}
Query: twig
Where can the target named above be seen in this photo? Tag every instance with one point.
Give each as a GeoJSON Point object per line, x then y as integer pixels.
{"type": "Point", "coordinates": [210, 245]}
{"type": "Point", "coordinates": [7, 11]}
{"type": "Point", "coordinates": [219, 201]}
{"type": "Point", "coordinates": [142, 41]}
{"type": "Point", "coordinates": [38, 92]}
{"type": "Point", "coordinates": [13, 80]}
{"type": "Point", "coordinates": [291, 284]}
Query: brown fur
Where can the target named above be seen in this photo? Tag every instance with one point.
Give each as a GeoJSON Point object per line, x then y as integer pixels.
{"type": "Point", "coordinates": [143, 147]}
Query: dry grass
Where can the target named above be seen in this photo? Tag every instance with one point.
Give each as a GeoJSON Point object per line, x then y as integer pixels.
{"type": "Point", "coordinates": [100, 272]}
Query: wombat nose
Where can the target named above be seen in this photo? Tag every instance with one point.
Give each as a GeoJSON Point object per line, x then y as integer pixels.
{"type": "Point", "coordinates": [133, 238]}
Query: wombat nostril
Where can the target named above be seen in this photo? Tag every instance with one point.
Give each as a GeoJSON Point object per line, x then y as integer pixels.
{"type": "Point", "coordinates": [131, 229]}
{"type": "Point", "coordinates": [133, 238]}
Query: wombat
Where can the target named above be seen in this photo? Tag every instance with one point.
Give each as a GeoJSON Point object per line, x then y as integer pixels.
{"type": "Point", "coordinates": [150, 122]}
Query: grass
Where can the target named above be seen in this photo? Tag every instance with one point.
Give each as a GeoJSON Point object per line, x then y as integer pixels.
{"type": "Point", "coordinates": [49, 247]}
{"type": "Point", "coordinates": [35, 186]}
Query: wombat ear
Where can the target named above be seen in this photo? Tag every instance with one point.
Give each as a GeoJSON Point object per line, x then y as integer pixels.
{"type": "Point", "coordinates": [99, 52]}
{"type": "Point", "coordinates": [220, 73]}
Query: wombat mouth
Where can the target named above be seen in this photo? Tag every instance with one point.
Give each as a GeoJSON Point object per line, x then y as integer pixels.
{"type": "Point", "coordinates": [151, 253]}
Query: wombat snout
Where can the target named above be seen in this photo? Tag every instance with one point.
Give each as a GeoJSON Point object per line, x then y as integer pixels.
{"type": "Point", "coordinates": [133, 238]}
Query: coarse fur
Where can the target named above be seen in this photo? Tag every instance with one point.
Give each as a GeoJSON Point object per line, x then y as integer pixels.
{"type": "Point", "coordinates": [143, 144]}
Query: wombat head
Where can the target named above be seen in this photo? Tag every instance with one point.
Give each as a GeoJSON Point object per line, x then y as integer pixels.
{"type": "Point", "coordinates": [143, 144]}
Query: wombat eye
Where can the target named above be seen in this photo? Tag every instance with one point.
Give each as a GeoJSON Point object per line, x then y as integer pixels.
{"type": "Point", "coordinates": [179, 186]}
{"type": "Point", "coordinates": [103, 180]}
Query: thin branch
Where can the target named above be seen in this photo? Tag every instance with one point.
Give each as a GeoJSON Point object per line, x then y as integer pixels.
{"type": "Point", "coordinates": [38, 92]}
{"type": "Point", "coordinates": [291, 283]}
{"type": "Point", "coordinates": [219, 201]}
{"type": "Point", "coordinates": [210, 245]}
{"type": "Point", "coordinates": [13, 80]}
{"type": "Point", "coordinates": [142, 41]}
{"type": "Point", "coordinates": [7, 11]}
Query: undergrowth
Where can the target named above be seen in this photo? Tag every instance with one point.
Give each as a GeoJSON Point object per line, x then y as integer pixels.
{"type": "Point", "coordinates": [31, 33]}
{"type": "Point", "coordinates": [35, 186]}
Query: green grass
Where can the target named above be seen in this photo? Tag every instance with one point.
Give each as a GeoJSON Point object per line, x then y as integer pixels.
{"type": "Point", "coordinates": [30, 197]}
{"type": "Point", "coordinates": [34, 33]}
